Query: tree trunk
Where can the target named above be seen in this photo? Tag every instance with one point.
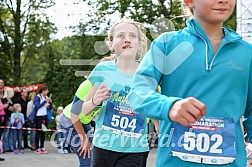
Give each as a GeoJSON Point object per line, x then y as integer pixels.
{"type": "Point", "coordinates": [17, 43]}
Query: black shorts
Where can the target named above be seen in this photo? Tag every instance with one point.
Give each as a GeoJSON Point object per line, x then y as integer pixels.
{"type": "Point", "coordinates": [107, 158]}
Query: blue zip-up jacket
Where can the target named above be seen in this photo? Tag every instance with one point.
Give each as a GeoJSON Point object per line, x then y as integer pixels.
{"type": "Point", "coordinates": [186, 66]}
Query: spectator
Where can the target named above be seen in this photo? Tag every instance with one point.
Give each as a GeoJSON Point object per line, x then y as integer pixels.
{"type": "Point", "coordinates": [2, 113]}
{"type": "Point", "coordinates": [1, 84]}
{"type": "Point", "coordinates": [30, 106]}
{"type": "Point", "coordinates": [2, 107]}
{"type": "Point", "coordinates": [60, 135]}
{"type": "Point", "coordinates": [41, 102]}
{"type": "Point", "coordinates": [17, 121]}
{"type": "Point", "coordinates": [23, 101]}
{"type": "Point", "coordinates": [7, 136]}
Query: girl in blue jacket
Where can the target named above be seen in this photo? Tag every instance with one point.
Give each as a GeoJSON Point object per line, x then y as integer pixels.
{"type": "Point", "coordinates": [205, 74]}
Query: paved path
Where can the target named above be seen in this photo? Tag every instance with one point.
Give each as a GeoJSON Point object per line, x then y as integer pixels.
{"type": "Point", "coordinates": [52, 159]}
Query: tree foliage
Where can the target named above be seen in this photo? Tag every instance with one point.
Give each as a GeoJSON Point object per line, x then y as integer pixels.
{"type": "Point", "coordinates": [23, 26]}
{"type": "Point", "coordinates": [60, 77]}
{"type": "Point", "coordinates": [144, 11]}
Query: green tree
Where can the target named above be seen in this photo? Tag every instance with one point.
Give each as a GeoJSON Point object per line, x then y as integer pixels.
{"type": "Point", "coordinates": [144, 11]}
{"type": "Point", "coordinates": [62, 59]}
{"type": "Point", "coordinates": [23, 26]}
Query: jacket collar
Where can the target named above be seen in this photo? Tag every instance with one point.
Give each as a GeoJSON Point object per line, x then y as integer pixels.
{"type": "Point", "coordinates": [197, 30]}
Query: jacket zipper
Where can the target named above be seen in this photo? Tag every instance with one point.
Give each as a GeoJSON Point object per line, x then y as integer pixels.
{"type": "Point", "coordinates": [208, 66]}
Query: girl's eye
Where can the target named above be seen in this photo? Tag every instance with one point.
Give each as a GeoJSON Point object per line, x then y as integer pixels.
{"type": "Point", "coordinates": [133, 36]}
{"type": "Point", "coordinates": [120, 36]}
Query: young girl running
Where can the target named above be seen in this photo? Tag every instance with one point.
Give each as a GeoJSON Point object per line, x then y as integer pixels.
{"type": "Point", "coordinates": [119, 138]}
{"type": "Point", "coordinates": [206, 72]}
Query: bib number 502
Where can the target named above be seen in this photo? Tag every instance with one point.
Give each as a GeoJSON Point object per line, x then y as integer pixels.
{"type": "Point", "coordinates": [202, 142]}
{"type": "Point", "coordinates": [123, 122]}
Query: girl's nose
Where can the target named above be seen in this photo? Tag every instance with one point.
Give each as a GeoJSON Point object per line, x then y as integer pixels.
{"type": "Point", "coordinates": [223, 1]}
{"type": "Point", "coordinates": [127, 39]}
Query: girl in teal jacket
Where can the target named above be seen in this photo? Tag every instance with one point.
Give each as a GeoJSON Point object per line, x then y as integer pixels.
{"type": "Point", "coordinates": [205, 70]}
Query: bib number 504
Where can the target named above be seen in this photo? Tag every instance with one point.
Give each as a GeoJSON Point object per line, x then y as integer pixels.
{"type": "Point", "coordinates": [123, 122]}
{"type": "Point", "coordinates": [202, 142]}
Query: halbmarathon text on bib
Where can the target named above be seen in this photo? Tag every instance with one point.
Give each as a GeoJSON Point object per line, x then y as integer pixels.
{"type": "Point", "coordinates": [210, 140]}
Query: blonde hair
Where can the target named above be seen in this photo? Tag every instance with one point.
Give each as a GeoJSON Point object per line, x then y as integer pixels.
{"type": "Point", "coordinates": [17, 107]}
{"type": "Point", "coordinates": [141, 35]}
{"type": "Point", "coordinates": [8, 93]}
{"type": "Point", "coordinates": [60, 109]}
{"type": "Point", "coordinates": [32, 93]}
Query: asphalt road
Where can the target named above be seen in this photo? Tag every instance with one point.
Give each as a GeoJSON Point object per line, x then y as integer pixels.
{"type": "Point", "coordinates": [52, 159]}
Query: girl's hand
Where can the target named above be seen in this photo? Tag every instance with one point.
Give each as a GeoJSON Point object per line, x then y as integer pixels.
{"type": "Point", "coordinates": [187, 111]}
{"type": "Point", "coordinates": [84, 148]}
{"type": "Point", "coordinates": [102, 94]}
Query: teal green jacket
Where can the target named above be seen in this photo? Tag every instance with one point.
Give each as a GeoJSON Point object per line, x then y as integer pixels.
{"type": "Point", "coordinates": [185, 64]}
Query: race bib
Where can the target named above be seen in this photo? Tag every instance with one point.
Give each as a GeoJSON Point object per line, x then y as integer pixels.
{"type": "Point", "coordinates": [210, 141]}
{"type": "Point", "coordinates": [121, 119]}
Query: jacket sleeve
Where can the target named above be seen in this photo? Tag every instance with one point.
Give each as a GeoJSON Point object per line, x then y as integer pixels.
{"type": "Point", "coordinates": [22, 117]}
{"type": "Point", "coordinates": [143, 97]}
{"type": "Point", "coordinates": [37, 103]}
{"type": "Point", "coordinates": [29, 108]}
{"type": "Point", "coordinates": [80, 96]}
{"type": "Point", "coordinates": [12, 120]}
{"type": "Point", "coordinates": [248, 113]}
{"type": "Point", "coordinates": [50, 106]}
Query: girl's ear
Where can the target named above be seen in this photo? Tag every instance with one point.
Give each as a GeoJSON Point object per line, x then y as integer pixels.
{"type": "Point", "coordinates": [111, 48]}
{"type": "Point", "coordinates": [188, 2]}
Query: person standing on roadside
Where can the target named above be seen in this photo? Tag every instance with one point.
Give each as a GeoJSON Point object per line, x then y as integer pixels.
{"type": "Point", "coordinates": [17, 121]}
{"type": "Point", "coordinates": [1, 85]}
{"type": "Point", "coordinates": [30, 106]}
{"type": "Point", "coordinates": [41, 102]}
{"type": "Point", "coordinates": [7, 136]}
{"type": "Point", "coordinates": [23, 101]}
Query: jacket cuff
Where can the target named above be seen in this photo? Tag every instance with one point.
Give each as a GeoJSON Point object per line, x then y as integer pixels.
{"type": "Point", "coordinates": [166, 108]}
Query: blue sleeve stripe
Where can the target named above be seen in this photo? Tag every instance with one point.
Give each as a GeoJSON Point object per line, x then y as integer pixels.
{"type": "Point", "coordinates": [77, 106]}
{"type": "Point", "coordinates": [75, 99]}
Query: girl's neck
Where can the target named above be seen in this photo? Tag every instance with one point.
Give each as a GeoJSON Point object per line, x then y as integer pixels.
{"type": "Point", "coordinates": [213, 31]}
{"type": "Point", "coordinates": [215, 35]}
{"type": "Point", "coordinates": [128, 66]}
